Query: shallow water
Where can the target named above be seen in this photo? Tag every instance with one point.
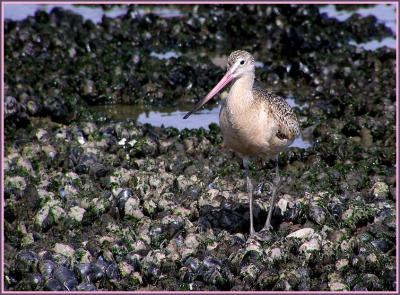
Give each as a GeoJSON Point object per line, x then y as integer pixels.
{"type": "Point", "coordinates": [165, 116]}
{"type": "Point", "coordinates": [385, 13]}
{"type": "Point", "coordinates": [172, 117]}
{"type": "Point", "coordinates": [165, 55]}
{"type": "Point", "coordinates": [94, 13]}
{"type": "Point", "coordinates": [101, 178]}
{"type": "Point", "coordinates": [375, 44]}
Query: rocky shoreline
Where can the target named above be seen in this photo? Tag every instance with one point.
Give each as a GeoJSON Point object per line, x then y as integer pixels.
{"type": "Point", "coordinates": [97, 204]}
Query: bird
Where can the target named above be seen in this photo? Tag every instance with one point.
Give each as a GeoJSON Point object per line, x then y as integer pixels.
{"type": "Point", "coordinates": [254, 122]}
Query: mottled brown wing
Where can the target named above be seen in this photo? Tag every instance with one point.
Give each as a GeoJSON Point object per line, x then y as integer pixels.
{"type": "Point", "coordinates": [282, 112]}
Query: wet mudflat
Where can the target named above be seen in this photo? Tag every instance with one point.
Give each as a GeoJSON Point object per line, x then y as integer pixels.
{"type": "Point", "coordinates": [106, 188]}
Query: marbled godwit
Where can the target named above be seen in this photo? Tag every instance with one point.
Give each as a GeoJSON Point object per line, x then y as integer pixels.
{"type": "Point", "coordinates": [253, 121]}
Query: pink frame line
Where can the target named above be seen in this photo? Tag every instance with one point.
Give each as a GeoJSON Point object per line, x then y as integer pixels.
{"type": "Point", "coordinates": [396, 3]}
{"type": "Point", "coordinates": [202, 2]}
{"type": "Point", "coordinates": [2, 151]}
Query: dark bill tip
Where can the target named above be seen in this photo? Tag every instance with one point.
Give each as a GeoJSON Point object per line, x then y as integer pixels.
{"type": "Point", "coordinates": [187, 115]}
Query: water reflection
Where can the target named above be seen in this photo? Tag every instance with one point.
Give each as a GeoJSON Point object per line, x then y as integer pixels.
{"type": "Point", "coordinates": [172, 117]}
{"type": "Point", "coordinates": [385, 13]}
{"type": "Point", "coordinates": [165, 55]}
{"type": "Point", "coordinates": [94, 13]}
{"type": "Point", "coordinates": [375, 44]}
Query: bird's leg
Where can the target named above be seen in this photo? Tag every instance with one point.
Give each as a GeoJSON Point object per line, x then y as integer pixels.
{"type": "Point", "coordinates": [250, 193]}
{"type": "Point", "coordinates": [274, 192]}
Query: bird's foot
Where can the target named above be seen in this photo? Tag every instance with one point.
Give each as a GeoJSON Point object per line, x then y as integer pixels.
{"type": "Point", "coordinates": [252, 231]}
{"type": "Point", "coordinates": [267, 227]}
{"type": "Point", "coordinates": [263, 235]}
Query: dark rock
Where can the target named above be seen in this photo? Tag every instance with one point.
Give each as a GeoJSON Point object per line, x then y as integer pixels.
{"type": "Point", "coordinates": [317, 214]}
{"type": "Point", "coordinates": [85, 286]}
{"type": "Point", "coordinates": [54, 285]}
{"type": "Point", "coordinates": [47, 268]}
{"type": "Point", "coordinates": [10, 106]}
{"type": "Point", "coordinates": [66, 278]}
{"type": "Point", "coordinates": [112, 271]}
{"type": "Point", "coordinates": [26, 262]}
{"type": "Point", "coordinates": [382, 245]}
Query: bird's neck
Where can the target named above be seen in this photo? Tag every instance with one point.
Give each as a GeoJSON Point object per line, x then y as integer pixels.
{"type": "Point", "coordinates": [241, 95]}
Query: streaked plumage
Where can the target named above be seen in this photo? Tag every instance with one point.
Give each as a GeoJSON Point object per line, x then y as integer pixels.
{"type": "Point", "coordinates": [263, 128]}
{"type": "Point", "coordinates": [253, 121]}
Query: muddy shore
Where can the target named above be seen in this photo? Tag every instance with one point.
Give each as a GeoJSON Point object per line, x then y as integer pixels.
{"type": "Point", "coordinates": [94, 203]}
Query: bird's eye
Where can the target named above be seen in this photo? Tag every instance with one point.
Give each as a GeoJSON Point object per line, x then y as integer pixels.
{"type": "Point", "coordinates": [242, 62]}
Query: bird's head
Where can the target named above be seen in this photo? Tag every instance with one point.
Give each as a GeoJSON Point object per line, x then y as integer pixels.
{"type": "Point", "coordinates": [239, 63]}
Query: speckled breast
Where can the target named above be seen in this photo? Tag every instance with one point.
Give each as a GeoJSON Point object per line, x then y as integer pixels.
{"type": "Point", "coordinates": [251, 135]}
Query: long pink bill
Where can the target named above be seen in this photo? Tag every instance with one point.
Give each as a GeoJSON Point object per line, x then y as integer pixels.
{"type": "Point", "coordinates": [221, 84]}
